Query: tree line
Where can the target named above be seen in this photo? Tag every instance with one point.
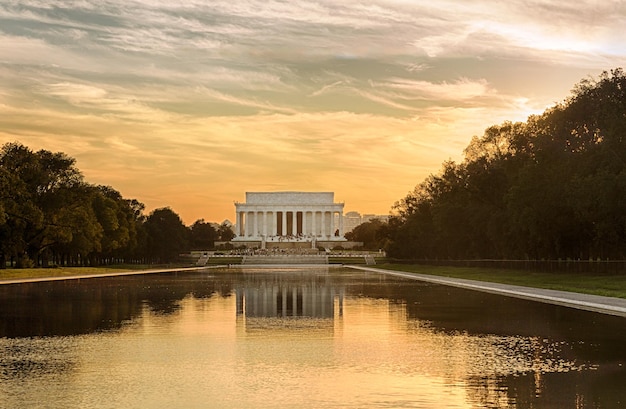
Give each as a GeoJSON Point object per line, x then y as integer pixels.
{"type": "Point", "coordinates": [49, 215]}
{"type": "Point", "coordinates": [553, 187]}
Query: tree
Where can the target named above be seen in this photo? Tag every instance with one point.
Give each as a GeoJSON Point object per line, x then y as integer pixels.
{"type": "Point", "coordinates": [42, 197]}
{"type": "Point", "coordinates": [371, 233]}
{"type": "Point", "coordinates": [167, 236]}
{"type": "Point", "coordinates": [81, 234]}
{"type": "Point", "coordinates": [202, 235]}
{"type": "Point", "coordinates": [411, 231]}
{"type": "Point", "coordinates": [7, 205]}
{"type": "Point", "coordinates": [225, 232]}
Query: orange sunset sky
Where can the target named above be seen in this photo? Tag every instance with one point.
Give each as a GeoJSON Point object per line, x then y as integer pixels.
{"type": "Point", "coordinates": [191, 104]}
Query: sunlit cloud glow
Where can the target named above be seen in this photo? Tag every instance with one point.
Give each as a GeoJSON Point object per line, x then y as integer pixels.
{"type": "Point", "coordinates": [192, 104]}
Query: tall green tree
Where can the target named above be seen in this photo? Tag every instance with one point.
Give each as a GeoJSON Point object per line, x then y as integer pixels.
{"type": "Point", "coordinates": [373, 234]}
{"type": "Point", "coordinates": [119, 219]}
{"type": "Point", "coordinates": [225, 232]}
{"type": "Point", "coordinates": [167, 236]}
{"type": "Point", "coordinates": [202, 235]}
{"type": "Point", "coordinates": [43, 195]}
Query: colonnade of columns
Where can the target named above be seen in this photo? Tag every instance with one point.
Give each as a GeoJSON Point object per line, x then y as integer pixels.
{"type": "Point", "coordinates": [290, 223]}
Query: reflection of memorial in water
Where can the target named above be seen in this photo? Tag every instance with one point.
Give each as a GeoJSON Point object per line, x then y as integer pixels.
{"type": "Point", "coordinates": [271, 300]}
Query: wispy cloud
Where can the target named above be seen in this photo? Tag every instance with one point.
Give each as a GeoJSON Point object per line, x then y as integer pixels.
{"type": "Point", "coordinates": [236, 95]}
{"type": "Point", "coordinates": [246, 102]}
{"type": "Point", "coordinates": [459, 90]}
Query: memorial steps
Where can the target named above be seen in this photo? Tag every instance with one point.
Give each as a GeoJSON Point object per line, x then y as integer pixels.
{"type": "Point", "coordinates": [204, 258]}
{"type": "Point", "coordinates": [284, 259]}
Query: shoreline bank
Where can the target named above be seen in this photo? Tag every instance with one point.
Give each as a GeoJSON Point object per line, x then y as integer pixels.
{"type": "Point", "coordinates": [587, 302]}
{"type": "Point", "coordinates": [101, 275]}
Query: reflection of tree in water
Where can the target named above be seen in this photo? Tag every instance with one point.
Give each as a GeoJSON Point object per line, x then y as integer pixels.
{"type": "Point", "coordinates": [575, 359]}
{"type": "Point", "coordinates": [551, 390]}
{"type": "Point", "coordinates": [164, 296]}
{"type": "Point", "coordinates": [454, 310]}
{"type": "Point", "coordinates": [84, 306]}
{"type": "Point", "coordinates": [65, 308]}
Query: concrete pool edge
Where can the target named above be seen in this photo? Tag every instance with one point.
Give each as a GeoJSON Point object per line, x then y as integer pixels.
{"type": "Point", "coordinates": [101, 275]}
{"type": "Point", "coordinates": [594, 303]}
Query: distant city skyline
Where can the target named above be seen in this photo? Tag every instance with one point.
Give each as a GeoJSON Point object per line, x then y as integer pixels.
{"type": "Point", "coordinates": [188, 105]}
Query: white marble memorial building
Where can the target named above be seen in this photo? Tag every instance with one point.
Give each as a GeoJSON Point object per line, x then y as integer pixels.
{"type": "Point", "coordinates": [289, 217]}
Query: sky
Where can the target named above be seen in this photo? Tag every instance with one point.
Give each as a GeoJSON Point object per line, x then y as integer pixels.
{"type": "Point", "coordinates": [191, 104]}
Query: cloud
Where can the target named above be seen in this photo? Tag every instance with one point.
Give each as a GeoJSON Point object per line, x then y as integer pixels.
{"type": "Point", "coordinates": [246, 102]}
{"type": "Point", "coordinates": [380, 99]}
{"type": "Point", "coordinates": [461, 89]}
{"type": "Point", "coordinates": [326, 88]}
{"type": "Point", "coordinates": [76, 92]}
{"type": "Point", "coordinates": [228, 96]}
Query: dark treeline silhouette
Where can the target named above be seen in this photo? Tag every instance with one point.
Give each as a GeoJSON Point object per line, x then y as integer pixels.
{"type": "Point", "coordinates": [50, 216]}
{"type": "Point", "coordinates": [553, 187]}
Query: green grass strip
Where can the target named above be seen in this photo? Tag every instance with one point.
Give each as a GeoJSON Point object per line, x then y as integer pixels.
{"type": "Point", "coordinates": [605, 285]}
{"type": "Point", "coordinates": [25, 273]}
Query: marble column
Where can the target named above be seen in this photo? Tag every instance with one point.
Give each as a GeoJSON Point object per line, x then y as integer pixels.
{"type": "Point", "coordinates": [264, 223]}
{"type": "Point", "coordinates": [239, 223]}
{"type": "Point", "coordinates": [255, 232]}
{"type": "Point", "coordinates": [244, 220]}
{"type": "Point", "coordinates": [340, 224]}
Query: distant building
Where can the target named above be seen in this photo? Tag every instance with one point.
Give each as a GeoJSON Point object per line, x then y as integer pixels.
{"type": "Point", "coordinates": [353, 219]}
{"type": "Point", "coordinates": [369, 217]}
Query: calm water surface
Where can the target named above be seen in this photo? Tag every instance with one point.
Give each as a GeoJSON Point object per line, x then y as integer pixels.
{"type": "Point", "coordinates": [299, 338]}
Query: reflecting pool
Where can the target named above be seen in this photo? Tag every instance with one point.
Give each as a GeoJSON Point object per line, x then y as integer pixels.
{"type": "Point", "coordinates": [286, 338]}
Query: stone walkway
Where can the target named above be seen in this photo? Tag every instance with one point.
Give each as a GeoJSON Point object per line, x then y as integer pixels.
{"type": "Point", "coordinates": [595, 303]}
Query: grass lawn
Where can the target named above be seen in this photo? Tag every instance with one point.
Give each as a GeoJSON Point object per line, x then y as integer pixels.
{"type": "Point", "coordinates": [606, 285]}
{"type": "Point", "coordinates": [13, 273]}
{"type": "Point", "coordinates": [224, 260]}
